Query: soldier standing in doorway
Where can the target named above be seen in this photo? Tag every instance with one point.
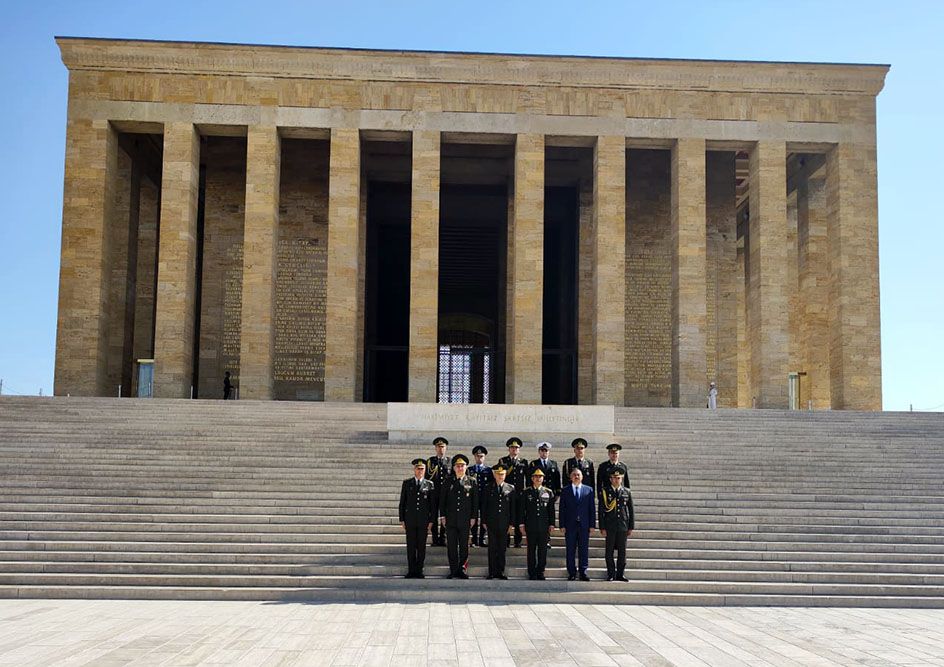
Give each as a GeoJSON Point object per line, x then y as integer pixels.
{"type": "Point", "coordinates": [227, 387]}
{"type": "Point", "coordinates": [437, 470]}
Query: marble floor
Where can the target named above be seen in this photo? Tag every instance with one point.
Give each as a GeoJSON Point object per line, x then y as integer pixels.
{"type": "Point", "coordinates": [75, 632]}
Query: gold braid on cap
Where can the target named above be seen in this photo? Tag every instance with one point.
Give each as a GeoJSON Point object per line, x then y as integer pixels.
{"type": "Point", "coordinates": [608, 505]}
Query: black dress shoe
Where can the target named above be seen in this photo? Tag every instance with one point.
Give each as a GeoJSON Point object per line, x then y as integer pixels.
{"type": "Point", "coordinates": [489, 577]}
{"type": "Point", "coordinates": [503, 577]}
{"type": "Point", "coordinates": [462, 575]}
{"type": "Point", "coordinates": [622, 579]}
{"type": "Point", "coordinates": [409, 576]}
{"type": "Point", "coordinates": [584, 577]}
{"type": "Point", "coordinates": [451, 576]}
{"type": "Point", "coordinates": [609, 577]}
{"type": "Point", "coordinates": [532, 577]}
{"type": "Point", "coordinates": [571, 577]}
{"type": "Point", "coordinates": [540, 577]}
{"type": "Point", "coordinates": [419, 575]}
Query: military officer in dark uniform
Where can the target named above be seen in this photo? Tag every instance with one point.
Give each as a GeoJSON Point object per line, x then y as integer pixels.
{"type": "Point", "coordinates": [552, 475]}
{"type": "Point", "coordinates": [482, 474]}
{"type": "Point", "coordinates": [617, 521]}
{"type": "Point", "coordinates": [437, 470]}
{"type": "Point", "coordinates": [536, 520]}
{"type": "Point", "coordinates": [517, 468]}
{"type": "Point", "coordinates": [613, 463]}
{"type": "Point", "coordinates": [458, 510]}
{"type": "Point", "coordinates": [416, 517]}
{"type": "Point", "coordinates": [499, 513]}
{"type": "Point", "coordinates": [580, 462]}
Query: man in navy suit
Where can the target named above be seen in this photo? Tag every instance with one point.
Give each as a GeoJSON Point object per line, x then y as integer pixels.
{"type": "Point", "coordinates": [577, 518]}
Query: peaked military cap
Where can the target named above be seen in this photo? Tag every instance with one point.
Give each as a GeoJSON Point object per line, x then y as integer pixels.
{"type": "Point", "coordinates": [544, 445]}
{"type": "Point", "coordinates": [460, 457]}
{"type": "Point", "coordinates": [499, 468]}
{"type": "Point", "coordinates": [578, 442]}
{"type": "Point", "coordinates": [614, 447]}
{"type": "Point", "coordinates": [440, 439]}
{"type": "Point", "coordinates": [616, 472]}
{"type": "Point", "coordinates": [538, 472]}
{"type": "Point", "coordinates": [513, 440]}
{"type": "Point", "coordinates": [417, 463]}
{"type": "Point", "coordinates": [479, 448]}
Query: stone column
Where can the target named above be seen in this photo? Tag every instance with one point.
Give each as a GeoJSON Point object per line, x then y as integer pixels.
{"type": "Point", "coordinates": [813, 267]}
{"type": "Point", "coordinates": [260, 262]}
{"type": "Point", "coordinates": [689, 273]}
{"type": "Point", "coordinates": [177, 266]}
{"type": "Point", "coordinates": [609, 258]}
{"type": "Point", "coordinates": [744, 394]}
{"type": "Point", "coordinates": [723, 275]}
{"type": "Point", "coordinates": [342, 318]}
{"type": "Point", "coordinates": [855, 343]}
{"type": "Point", "coordinates": [585, 288]}
{"type": "Point", "coordinates": [526, 271]}
{"type": "Point", "coordinates": [767, 307]}
{"type": "Point", "coordinates": [88, 210]}
{"type": "Point", "coordinates": [424, 268]}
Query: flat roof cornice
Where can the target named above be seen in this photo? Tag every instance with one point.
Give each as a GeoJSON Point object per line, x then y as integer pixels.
{"type": "Point", "coordinates": [83, 53]}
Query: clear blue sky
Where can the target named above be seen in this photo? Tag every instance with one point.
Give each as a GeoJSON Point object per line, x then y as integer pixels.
{"type": "Point", "coordinates": [908, 34]}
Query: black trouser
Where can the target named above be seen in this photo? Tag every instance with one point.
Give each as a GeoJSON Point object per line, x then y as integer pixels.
{"type": "Point", "coordinates": [496, 551]}
{"type": "Point", "coordinates": [537, 552]}
{"type": "Point", "coordinates": [457, 547]}
{"type": "Point", "coordinates": [416, 548]}
{"type": "Point", "coordinates": [478, 534]}
{"type": "Point", "coordinates": [615, 541]}
{"type": "Point", "coordinates": [439, 533]}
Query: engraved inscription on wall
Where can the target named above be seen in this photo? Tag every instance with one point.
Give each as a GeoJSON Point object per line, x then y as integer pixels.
{"type": "Point", "coordinates": [300, 311]}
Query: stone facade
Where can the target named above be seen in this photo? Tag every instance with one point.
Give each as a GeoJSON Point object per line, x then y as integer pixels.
{"type": "Point", "coordinates": [215, 218]}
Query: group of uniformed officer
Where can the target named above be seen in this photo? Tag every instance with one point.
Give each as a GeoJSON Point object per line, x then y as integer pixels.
{"type": "Point", "coordinates": [482, 505]}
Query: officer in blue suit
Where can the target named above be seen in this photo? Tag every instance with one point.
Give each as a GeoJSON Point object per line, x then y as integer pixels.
{"type": "Point", "coordinates": [482, 474]}
{"type": "Point", "coordinates": [577, 517]}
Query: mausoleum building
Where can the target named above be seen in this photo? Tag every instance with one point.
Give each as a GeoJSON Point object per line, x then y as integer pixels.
{"type": "Point", "coordinates": [360, 225]}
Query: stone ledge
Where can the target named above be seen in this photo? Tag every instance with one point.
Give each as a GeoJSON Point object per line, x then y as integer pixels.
{"type": "Point", "coordinates": [491, 425]}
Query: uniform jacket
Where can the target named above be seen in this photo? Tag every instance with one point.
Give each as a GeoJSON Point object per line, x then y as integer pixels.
{"type": "Point", "coordinates": [517, 472]}
{"type": "Point", "coordinates": [459, 501]}
{"type": "Point", "coordinates": [416, 502]}
{"type": "Point", "coordinates": [438, 469]}
{"type": "Point", "coordinates": [552, 474]}
{"type": "Point", "coordinates": [482, 474]}
{"type": "Point", "coordinates": [603, 474]}
{"type": "Point", "coordinates": [500, 506]}
{"type": "Point", "coordinates": [577, 511]}
{"type": "Point", "coordinates": [616, 509]}
{"type": "Point", "coordinates": [586, 467]}
{"type": "Point", "coordinates": [536, 509]}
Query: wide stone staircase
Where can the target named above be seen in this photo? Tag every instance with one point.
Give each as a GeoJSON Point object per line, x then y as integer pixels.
{"type": "Point", "coordinates": [161, 499]}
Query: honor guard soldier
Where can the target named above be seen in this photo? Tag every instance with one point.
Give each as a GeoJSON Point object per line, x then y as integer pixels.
{"type": "Point", "coordinates": [416, 517]}
{"type": "Point", "coordinates": [499, 513]}
{"type": "Point", "coordinates": [552, 474]}
{"type": "Point", "coordinates": [517, 476]}
{"type": "Point", "coordinates": [536, 520]}
{"type": "Point", "coordinates": [482, 474]}
{"type": "Point", "coordinates": [617, 521]}
{"type": "Point", "coordinates": [580, 462]}
{"type": "Point", "coordinates": [613, 463]}
{"type": "Point", "coordinates": [437, 470]}
{"type": "Point", "coordinates": [458, 510]}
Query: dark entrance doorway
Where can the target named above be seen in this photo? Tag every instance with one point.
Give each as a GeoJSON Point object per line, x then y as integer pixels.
{"type": "Point", "coordinates": [559, 372]}
{"type": "Point", "coordinates": [472, 246]}
{"type": "Point", "coordinates": [387, 288]}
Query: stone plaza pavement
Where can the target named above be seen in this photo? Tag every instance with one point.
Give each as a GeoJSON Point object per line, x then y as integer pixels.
{"type": "Point", "coordinates": [76, 632]}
